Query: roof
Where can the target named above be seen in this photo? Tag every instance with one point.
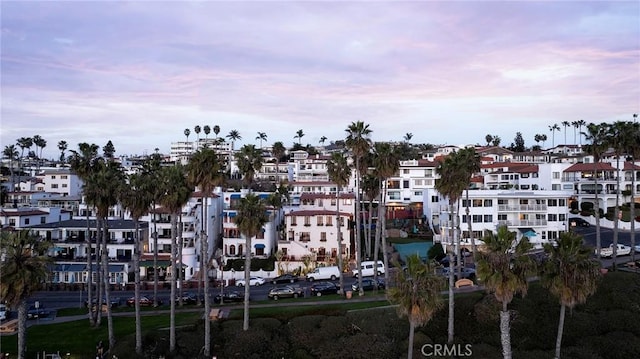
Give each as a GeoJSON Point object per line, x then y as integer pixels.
{"type": "Point", "coordinates": [29, 212]}
{"type": "Point", "coordinates": [308, 196]}
{"type": "Point", "coordinates": [588, 167]}
{"type": "Point", "coordinates": [316, 212]}
{"type": "Point", "coordinates": [114, 224]}
{"type": "Point", "coordinates": [631, 166]}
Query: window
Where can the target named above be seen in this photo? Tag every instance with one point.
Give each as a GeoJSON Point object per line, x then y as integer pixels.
{"type": "Point", "coordinates": [53, 177]}
{"type": "Point", "coordinates": [320, 221]}
{"type": "Point", "coordinates": [333, 202]}
{"type": "Point", "coordinates": [477, 203]}
{"type": "Point", "coordinates": [305, 236]}
{"type": "Point", "coordinates": [405, 184]}
{"type": "Point", "coordinates": [417, 193]}
{"type": "Point", "coordinates": [555, 175]}
{"type": "Point", "coordinates": [323, 236]}
{"type": "Point", "coordinates": [418, 182]}
{"type": "Point", "coordinates": [307, 221]}
{"type": "Point", "coordinates": [329, 221]}
{"type": "Point", "coordinates": [435, 199]}
{"type": "Point", "coordinates": [552, 202]}
{"type": "Point", "coordinates": [428, 173]}
{"type": "Point", "coordinates": [465, 218]}
{"type": "Point", "coordinates": [488, 203]}
{"type": "Point", "coordinates": [552, 217]}
{"type": "Point", "coordinates": [320, 202]}
{"type": "Point", "coordinates": [394, 196]}
{"type": "Point", "coordinates": [466, 203]}
{"type": "Point", "coordinates": [54, 185]}
{"type": "Point", "coordinates": [64, 185]}
{"type": "Point", "coordinates": [503, 201]}
{"type": "Point", "coordinates": [488, 218]}
{"type": "Point", "coordinates": [291, 235]}
{"type": "Point", "coordinates": [293, 221]}
{"type": "Point", "coordinates": [562, 202]}
{"type": "Point", "coordinates": [43, 220]}
{"type": "Point", "coordinates": [64, 177]}
{"type": "Point", "coordinates": [26, 221]}
{"type": "Point", "coordinates": [562, 217]}
{"type": "Point", "coordinates": [555, 187]}
{"type": "Point", "coordinates": [405, 171]}
{"type": "Point", "coordinates": [502, 217]}
{"type": "Point", "coordinates": [232, 250]}
{"type": "Point", "coordinates": [477, 218]}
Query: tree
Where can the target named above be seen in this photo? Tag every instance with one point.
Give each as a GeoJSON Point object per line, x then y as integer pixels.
{"type": "Point", "coordinates": [262, 136]}
{"type": "Point", "coordinates": [62, 146]}
{"type": "Point", "coordinates": [543, 138]}
{"type": "Point", "coordinates": [616, 139]}
{"type": "Point", "coordinates": [469, 161]}
{"type": "Point", "coordinates": [299, 135]}
{"type": "Point", "coordinates": [109, 150]}
{"type": "Point", "coordinates": [488, 138]}
{"type": "Point", "coordinates": [565, 124]}
{"type": "Point", "coordinates": [371, 189]}
{"type": "Point", "coordinates": [496, 141]}
{"type": "Point", "coordinates": [633, 142]}
{"type": "Point", "coordinates": [187, 132]}
{"type": "Point", "coordinates": [40, 143]}
{"type": "Point", "coordinates": [252, 216]}
{"type": "Point", "coordinates": [176, 193]}
{"type": "Point", "coordinates": [575, 126]}
{"type": "Point", "coordinates": [570, 274]}
{"type": "Point", "coordinates": [207, 130]}
{"type": "Point", "coordinates": [408, 136]}
{"type": "Point", "coordinates": [234, 136]}
{"type": "Point", "coordinates": [24, 268]}
{"type": "Point", "coordinates": [581, 123]}
{"type": "Point", "coordinates": [249, 160]}
{"type": "Point", "coordinates": [197, 130]}
{"type": "Point", "coordinates": [416, 294]}
{"type": "Point", "coordinates": [504, 268]}
{"type": "Point", "coordinates": [11, 154]}
{"type": "Point", "coordinates": [23, 142]}
{"type": "Point", "coordinates": [553, 128]}
{"type": "Point", "coordinates": [359, 143]}
{"type": "Point", "coordinates": [597, 135]}
{"type": "Point", "coordinates": [339, 173]}
{"type": "Point", "coordinates": [205, 171]}
{"type": "Point", "coordinates": [322, 140]}
{"type": "Point", "coordinates": [216, 130]}
{"type": "Point", "coordinates": [277, 151]}
{"type": "Point", "coordinates": [518, 145]}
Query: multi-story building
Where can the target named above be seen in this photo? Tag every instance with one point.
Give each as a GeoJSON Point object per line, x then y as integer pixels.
{"type": "Point", "coordinates": [24, 217]}
{"type": "Point", "coordinates": [62, 181]}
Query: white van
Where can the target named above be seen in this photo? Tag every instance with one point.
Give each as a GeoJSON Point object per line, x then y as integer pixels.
{"type": "Point", "coordinates": [367, 268]}
{"type": "Point", "coordinates": [324, 273]}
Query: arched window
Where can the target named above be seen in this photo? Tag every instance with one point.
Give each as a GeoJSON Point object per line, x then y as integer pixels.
{"type": "Point", "coordinates": [232, 250]}
{"type": "Point", "coordinates": [240, 251]}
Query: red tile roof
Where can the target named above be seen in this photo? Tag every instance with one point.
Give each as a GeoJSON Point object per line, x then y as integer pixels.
{"type": "Point", "coordinates": [588, 167]}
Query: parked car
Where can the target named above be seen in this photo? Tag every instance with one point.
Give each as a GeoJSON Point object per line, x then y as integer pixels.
{"type": "Point", "coordinates": [35, 313]}
{"type": "Point", "coordinates": [466, 272]}
{"type": "Point", "coordinates": [229, 297]}
{"type": "Point", "coordinates": [115, 302]}
{"type": "Point", "coordinates": [285, 278]}
{"type": "Point", "coordinates": [621, 250]}
{"type": "Point", "coordinates": [253, 281]}
{"type": "Point", "coordinates": [144, 301]}
{"type": "Point", "coordinates": [321, 288]}
{"type": "Point", "coordinates": [636, 248]}
{"type": "Point", "coordinates": [326, 273]}
{"type": "Point", "coordinates": [285, 292]}
{"type": "Point", "coordinates": [368, 284]}
{"type": "Point", "coordinates": [578, 222]}
{"type": "Point", "coordinates": [189, 298]}
{"type": "Point", "coordinates": [368, 268]}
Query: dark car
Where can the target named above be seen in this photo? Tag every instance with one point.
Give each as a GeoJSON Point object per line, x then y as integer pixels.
{"type": "Point", "coordinates": [368, 284]}
{"type": "Point", "coordinates": [229, 297]}
{"type": "Point", "coordinates": [35, 313]}
{"type": "Point", "coordinates": [320, 288]}
{"type": "Point", "coordinates": [469, 273]}
{"type": "Point", "coordinates": [189, 298]}
{"type": "Point", "coordinates": [285, 292]}
{"type": "Point", "coordinates": [144, 301]}
{"type": "Point", "coordinates": [115, 302]}
{"type": "Point", "coordinates": [285, 278]}
{"type": "Point", "coordinates": [578, 222]}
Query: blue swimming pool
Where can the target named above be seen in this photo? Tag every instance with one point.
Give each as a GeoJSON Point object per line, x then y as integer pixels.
{"type": "Point", "coordinates": [421, 248]}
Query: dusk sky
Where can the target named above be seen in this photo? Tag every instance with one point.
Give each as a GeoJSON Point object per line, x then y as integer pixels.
{"type": "Point", "coordinates": [138, 73]}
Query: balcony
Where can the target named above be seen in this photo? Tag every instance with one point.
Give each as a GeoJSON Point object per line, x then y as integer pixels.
{"type": "Point", "coordinates": [522, 208]}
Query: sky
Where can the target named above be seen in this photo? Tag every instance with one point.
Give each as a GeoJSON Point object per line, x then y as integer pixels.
{"type": "Point", "coordinates": [139, 73]}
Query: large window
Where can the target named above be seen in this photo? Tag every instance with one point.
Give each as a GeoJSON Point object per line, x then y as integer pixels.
{"type": "Point", "coordinates": [329, 221]}
{"type": "Point", "coordinates": [320, 220]}
{"type": "Point", "coordinates": [488, 203]}
{"type": "Point", "coordinates": [323, 236]}
{"type": "Point", "coordinates": [307, 221]}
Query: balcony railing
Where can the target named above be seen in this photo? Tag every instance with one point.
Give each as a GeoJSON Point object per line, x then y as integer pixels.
{"type": "Point", "coordinates": [522, 207]}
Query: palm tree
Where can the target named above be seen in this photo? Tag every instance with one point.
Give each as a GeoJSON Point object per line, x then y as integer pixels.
{"type": "Point", "coordinates": [40, 143]}
{"type": "Point", "coordinates": [262, 136]}
{"type": "Point", "coordinates": [570, 274]}
{"type": "Point", "coordinates": [597, 135]}
{"type": "Point", "coordinates": [83, 163]}
{"type": "Point", "coordinates": [207, 130]}
{"type": "Point", "coordinates": [553, 128]}
{"type": "Point", "coordinates": [581, 123]}
{"type": "Point", "coordinates": [504, 268]}
{"type": "Point", "coordinates": [23, 142]}
{"type": "Point", "coordinates": [416, 294]}
{"type": "Point", "coordinates": [616, 139]}
{"type": "Point", "coordinates": [299, 135]}
{"type": "Point", "coordinates": [62, 146]}
{"type": "Point", "coordinates": [249, 160]}
{"type": "Point", "coordinates": [11, 154]}
{"type": "Point", "coordinates": [451, 184]}
{"type": "Point", "coordinates": [470, 165]}
{"type": "Point", "coordinates": [137, 197]}
{"type": "Point", "coordinates": [488, 138]}
{"type": "Point", "coordinates": [322, 140]}
{"type": "Point", "coordinates": [386, 163]}
{"type": "Point", "coordinates": [358, 142]}
{"type": "Point", "coordinates": [205, 171]}
{"type": "Point", "coordinates": [278, 150]}
{"type": "Point", "coordinates": [575, 126]}
{"type": "Point", "coordinates": [102, 190]}
{"type": "Point", "coordinates": [408, 136]}
{"type": "Point", "coordinates": [176, 193]}
{"type": "Point", "coordinates": [197, 130]}
{"type": "Point", "coordinates": [632, 138]}
{"type": "Point", "coordinates": [339, 173]}
{"type": "Point", "coordinates": [216, 130]}
{"type": "Point", "coordinates": [252, 216]}
{"type": "Point", "coordinates": [565, 124]}
{"type": "Point", "coordinates": [187, 132]}
{"type": "Point", "coordinates": [233, 136]}
{"type": "Point", "coordinates": [543, 138]}
{"type": "Point", "coordinates": [371, 188]}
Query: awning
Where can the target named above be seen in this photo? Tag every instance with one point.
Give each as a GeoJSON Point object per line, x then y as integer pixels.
{"type": "Point", "coordinates": [114, 268]}
{"type": "Point", "coordinates": [259, 246]}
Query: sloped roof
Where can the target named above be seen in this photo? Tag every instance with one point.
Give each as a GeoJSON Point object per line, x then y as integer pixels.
{"type": "Point", "coordinates": [588, 167]}
{"type": "Point", "coordinates": [19, 213]}
{"type": "Point", "coordinates": [628, 166]}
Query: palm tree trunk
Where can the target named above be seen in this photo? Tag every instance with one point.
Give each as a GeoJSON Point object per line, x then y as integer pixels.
{"type": "Point", "coordinates": [136, 273]}
{"type": "Point", "coordinates": [505, 331]}
{"type": "Point", "coordinates": [560, 330]}
{"type": "Point", "coordinates": [107, 291]}
{"type": "Point", "coordinates": [383, 235]}
{"type": "Point", "coordinates": [205, 274]}
{"type": "Point", "coordinates": [174, 272]}
{"type": "Point", "coordinates": [155, 258]}
{"type": "Point", "coordinates": [458, 234]}
{"type": "Point", "coordinates": [473, 238]}
{"type": "Point", "coordinates": [180, 244]}
{"type": "Point", "coordinates": [597, 215]}
{"type": "Point", "coordinates": [616, 213]}
{"type": "Point", "coordinates": [339, 231]}
{"type": "Point", "coordinates": [412, 329]}
{"type": "Point", "coordinates": [92, 318]}
{"type": "Point", "coordinates": [22, 329]}
{"type": "Point", "coordinates": [376, 243]}
{"type": "Point", "coordinates": [247, 276]}
{"type": "Point", "coordinates": [632, 210]}
{"type": "Point", "coordinates": [450, 327]}
{"type": "Point", "coordinates": [357, 231]}
{"type": "Point", "coordinates": [99, 271]}
{"type": "Point", "coordinates": [201, 241]}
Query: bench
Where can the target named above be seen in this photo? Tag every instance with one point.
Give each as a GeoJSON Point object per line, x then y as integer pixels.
{"type": "Point", "coordinates": [214, 314]}
{"type": "Point", "coordinates": [9, 327]}
{"type": "Point", "coordinates": [465, 282]}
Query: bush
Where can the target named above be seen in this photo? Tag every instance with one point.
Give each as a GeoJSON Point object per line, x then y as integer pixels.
{"type": "Point", "coordinates": [436, 252]}
{"type": "Point", "coordinates": [266, 264]}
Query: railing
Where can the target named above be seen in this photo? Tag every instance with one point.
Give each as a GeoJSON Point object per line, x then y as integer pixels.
{"type": "Point", "coordinates": [522, 207]}
{"type": "Point", "coordinates": [524, 223]}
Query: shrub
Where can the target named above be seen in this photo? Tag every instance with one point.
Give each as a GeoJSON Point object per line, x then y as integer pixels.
{"type": "Point", "coordinates": [436, 252]}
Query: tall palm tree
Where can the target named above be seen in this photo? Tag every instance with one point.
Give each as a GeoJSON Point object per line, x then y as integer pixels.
{"type": "Point", "coordinates": [83, 162]}
{"type": "Point", "coordinates": [262, 136]}
{"type": "Point", "coordinates": [24, 269]}
{"type": "Point", "coordinates": [249, 161]}
{"type": "Point", "coordinates": [386, 163]}
{"type": "Point", "coordinates": [322, 140]}
{"type": "Point", "coordinates": [543, 138]}
{"type": "Point", "coordinates": [11, 154]}
{"type": "Point", "coordinates": [176, 193]}
{"type": "Point", "coordinates": [616, 139]}
{"type": "Point", "coordinates": [597, 135]}
{"type": "Point", "coordinates": [408, 136]}
{"type": "Point", "coordinates": [23, 142]}
{"type": "Point", "coordinates": [470, 165]}
{"type": "Point", "coordinates": [451, 184]}
{"type": "Point", "coordinates": [570, 274]}
{"type": "Point", "coordinates": [207, 130]}
{"type": "Point", "coordinates": [565, 124]}
{"type": "Point", "coordinates": [339, 173]}
{"type": "Point", "coordinates": [62, 146]}
{"type": "Point", "coordinates": [581, 123]}
{"type": "Point", "coordinates": [197, 130]}
{"type": "Point", "coordinates": [416, 294]}
{"type": "Point", "coordinates": [358, 141]}
{"type": "Point", "coordinates": [136, 198]}
{"type": "Point", "coordinates": [371, 189]}
{"type": "Point", "coordinates": [278, 151]}
{"type": "Point", "coordinates": [299, 135]}
{"type": "Point", "coordinates": [40, 143]}
{"type": "Point", "coordinates": [632, 138]}
{"type": "Point", "coordinates": [504, 268]}
{"type": "Point", "coordinates": [187, 132]}
{"type": "Point", "coordinates": [216, 130]}
{"type": "Point", "coordinates": [102, 190]}
{"type": "Point", "coordinates": [553, 128]}
{"type": "Point", "coordinates": [205, 171]}
{"type": "Point", "coordinates": [252, 216]}
{"type": "Point", "coordinates": [234, 136]}
{"type": "Point", "coordinates": [575, 126]}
